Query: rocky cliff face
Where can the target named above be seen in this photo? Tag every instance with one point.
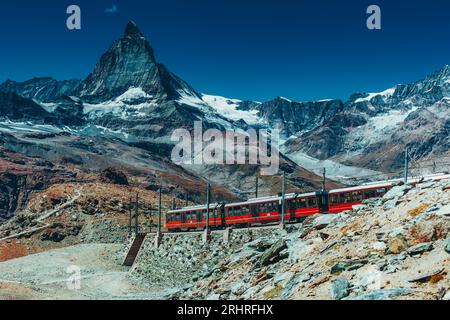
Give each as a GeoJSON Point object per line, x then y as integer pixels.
{"type": "Point", "coordinates": [42, 89]}
{"type": "Point", "coordinates": [22, 177]}
{"type": "Point", "coordinates": [294, 117]}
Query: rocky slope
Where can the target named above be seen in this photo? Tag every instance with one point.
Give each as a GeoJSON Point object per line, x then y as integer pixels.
{"type": "Point", "coordinates": [392, 248]}
{"type": "Point", "coordinates": [21, 177]}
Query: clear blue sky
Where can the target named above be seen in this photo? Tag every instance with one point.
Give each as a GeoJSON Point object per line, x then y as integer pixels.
{"type": "Point", "coordinates": [248, 49]}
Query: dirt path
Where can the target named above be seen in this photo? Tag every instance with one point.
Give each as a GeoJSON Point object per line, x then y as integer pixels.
{"type": "Point", "coordinates": [47, 275]}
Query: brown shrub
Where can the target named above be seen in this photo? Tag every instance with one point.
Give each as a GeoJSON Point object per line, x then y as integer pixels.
{"type": "Point", "coordinates": [419, 210]}
{"type": "Point", "coordinates": [428, 231]}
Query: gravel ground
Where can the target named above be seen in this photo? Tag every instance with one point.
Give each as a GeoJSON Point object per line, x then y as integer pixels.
{"type": "Point", "coordinates": [45, 275]}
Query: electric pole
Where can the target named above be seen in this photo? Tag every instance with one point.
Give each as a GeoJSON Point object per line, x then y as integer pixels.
{"type": "Point", "coordinates": [136, 215]}
{"type": "Point", "coordinates": [406, 165]}
{"type": "Point", "coordinates": [129, 217]}
{"type": "Point", "coordinates": [256, 187]}
{"type": "Point", "coordinates": [150, 219]}
{"type": "Point", "coordinates": [324, 180]}
{"type": "Point", "coordinates": [283, 197]}
{"type": "Point", "coordinates": [159, 210]}
{"type": "Point", "coordinates": [208, 192]}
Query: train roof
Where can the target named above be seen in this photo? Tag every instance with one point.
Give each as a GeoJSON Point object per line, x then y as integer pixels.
{"type": "Point", "coordinates": [271, 199]}
{"type": "Point", "coordinates": [194, 208]}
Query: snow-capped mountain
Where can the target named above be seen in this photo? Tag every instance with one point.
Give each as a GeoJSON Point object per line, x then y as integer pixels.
{"type": "Point", "coordinates": [372, 130]}
{"type": "Point", "coordinates": [130, 63]}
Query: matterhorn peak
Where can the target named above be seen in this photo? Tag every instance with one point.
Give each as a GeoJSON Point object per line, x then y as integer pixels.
{"type": "Point", "coordinates": [132, 30]}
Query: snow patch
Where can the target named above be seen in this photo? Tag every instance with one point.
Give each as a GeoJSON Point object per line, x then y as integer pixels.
{"type": "Point", "coordinates": [229, 109]}
{"type": "Point", "coordinates": [122, 105]}
{"type": "Point", "coordinates": [285, 99]}
{"type": "Point", "coordinates": [377, 129]}
{"type": "Point", "coordinates": [385, 94]}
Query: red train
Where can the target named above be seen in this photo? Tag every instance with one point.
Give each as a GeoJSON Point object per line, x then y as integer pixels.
{"type": "Point", "coordinates": [268, 210]}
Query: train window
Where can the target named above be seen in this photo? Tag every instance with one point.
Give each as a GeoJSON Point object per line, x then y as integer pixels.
{"type": "Point", "coordinates": [357, 196]}
{"type": "Point", "coordinates": [245, 210]}
{"type": "Point", "coordinates": [369, 194]}
{"type": "Point", "coordinates": [272, 207]}
{"type": "Point", "coordinates": [303, 203]}
{"type": "Point", "coordinates": [260, 208]}
{"type": "Point", "coordinates": [312, 202]}
{"type": "Point", "coordinates": [346, 197]}
{"type": "Point", "coordinates": [334, 199]}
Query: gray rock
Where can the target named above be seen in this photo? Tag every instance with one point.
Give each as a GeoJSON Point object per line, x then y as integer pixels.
{"type": "Point", "coordinates": [260, 244]}
{"type": "Point", "coordinates": [348, 265]}
{"type": "Point", "coordinates": [340, 288]}
{"type": "Point", "coordinates": [423, 277]}
{"type": "Point", "coordinates": [397, 192]}
{"type": "Point", "coordinates": [213, 297]}
{"type": "Point", "coordinates": [323, 220]}
{"type": "Point", "coordinates": [283, 278]}
{"type": "Point", "coordinates": [390, 204]}
{"type": "Point", "coordinates": [272, 255]}
{"type": "Point", "coordinates": [382, 294]}
{"type": "Point", "coordinates": [420, 248]}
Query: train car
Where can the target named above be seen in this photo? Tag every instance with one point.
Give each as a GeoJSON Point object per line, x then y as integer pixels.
{"type": "Point", "coordinates": [192, 218]}
{"type": "Point", "coordinates": [268, 210]}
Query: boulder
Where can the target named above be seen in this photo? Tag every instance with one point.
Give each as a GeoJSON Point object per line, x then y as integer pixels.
{"type": "Point", "coordinates": [397, 245]}
{"type": "Point", "coordinates": [348, 265]}
{"type": "Point", "coordinates": [271, 255]}
{"type": "Point", "coordinates": [379, 246]}
{"type": "Point", "coordinates": [390, 204]}
{"type": "Point", "coordinates": [397, 192]}
{"type": "Point", "coordinates": [260, 244]}
{"type": "Point", "coordinates": [114, 176]}
{"type": "Point", "coordinates": [340, 288]}
{"type": "Point", "coordinates": [382, 294]}
{"type": "Point", "coordinates": [323, 220]}
{"type": "Point", "coordinates": [424, 277]}
{"type": "Point", "coordinates": [420, 248]}
{"type": "Point", "coordinates": [53, 236]}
